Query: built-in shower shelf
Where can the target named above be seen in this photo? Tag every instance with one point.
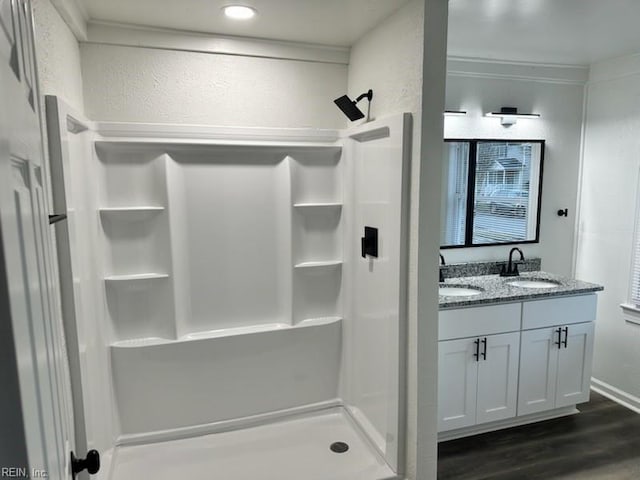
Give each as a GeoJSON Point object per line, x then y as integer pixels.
{"type": "Point", "coordinates": [307, 322]}
{"type": "Point", "coordinates": [318, 205]}
{"type": "Point", "coordinates": [130, 213]}
{"type": "Point", "coordinates": [135, 277]}
{"type": "Point", "coordinates": [328, 263]}
{"type": "Point", "coordinates": [141, 342]}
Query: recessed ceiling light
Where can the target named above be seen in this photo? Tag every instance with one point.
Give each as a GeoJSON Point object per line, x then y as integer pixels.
{"type": "Point", "coordinates": [239, 12]}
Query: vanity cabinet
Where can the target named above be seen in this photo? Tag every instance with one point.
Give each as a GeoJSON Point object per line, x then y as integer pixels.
{"type": "Point", "coordinates": [555, 361]}
{"type": "Point", "coordinates": [477, 380]}
{"type": "Point", "coordinates": [506, 361]}
{"type": "Point", "coordinates": [478, 374]}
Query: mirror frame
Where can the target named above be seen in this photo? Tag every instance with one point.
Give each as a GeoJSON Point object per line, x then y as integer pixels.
{"type": "Point", "coordinates": [471, 193]}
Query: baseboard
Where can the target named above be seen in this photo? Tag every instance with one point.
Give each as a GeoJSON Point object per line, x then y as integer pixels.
{"type": "Point", "coordinates": [507, 423]}
{"type": "Point", "coordinates": [619, 396]}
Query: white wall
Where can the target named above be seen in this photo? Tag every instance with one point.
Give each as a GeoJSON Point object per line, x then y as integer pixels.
{"type": "Point", "coordinates": [58, 56]}
{"type": "Point", "coordinates": [608, 204]}
{"type": "Point", "coordinates": [389, 60]}
{"type": "Point", "coordinates": [157, 85]}
{"type": "Point", "coordinates": [557, 95]}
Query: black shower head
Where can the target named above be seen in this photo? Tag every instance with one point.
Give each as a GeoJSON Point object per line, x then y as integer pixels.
{"type": "Point", "coordinates": [349, 107]}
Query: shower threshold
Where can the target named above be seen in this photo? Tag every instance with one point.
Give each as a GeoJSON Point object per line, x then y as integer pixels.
{"type": "Point", "coordinates": [289, 449]}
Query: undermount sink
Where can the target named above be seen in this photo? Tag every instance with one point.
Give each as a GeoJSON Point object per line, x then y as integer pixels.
{"type": "Point", "coordinates": [458, 291]}
{"type": "Point", "coordinates": [533, 283]}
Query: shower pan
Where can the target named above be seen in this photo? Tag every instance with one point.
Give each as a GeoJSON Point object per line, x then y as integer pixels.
{"type": "Point", "coordinates": [223, 315]}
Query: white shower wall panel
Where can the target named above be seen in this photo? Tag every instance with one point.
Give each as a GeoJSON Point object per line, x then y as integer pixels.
{"type": "Point", "coordinates": [232, 244]}
{"type": "Point", "coordinates": [204, 381]}
{"type": "Point", "coordinates": [379, 155]}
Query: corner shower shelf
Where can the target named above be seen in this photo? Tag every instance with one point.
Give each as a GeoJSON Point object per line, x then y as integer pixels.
{"type": "Point", "coordinates": [329, 263]}
{"type": "Point", "coordinates": [135, 277]}
{"type": "Point", "coordinates": [130, 213]}
{"type": "Point", "coordinates": [318, 205]}
{"type": "Point", "coordinates": [141, 342]}
{"type": "Point", "coordinates": [307, 322]}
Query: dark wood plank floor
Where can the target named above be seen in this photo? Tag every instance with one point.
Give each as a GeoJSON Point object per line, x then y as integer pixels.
{"type": "Point", "coordinates": [600, 443]}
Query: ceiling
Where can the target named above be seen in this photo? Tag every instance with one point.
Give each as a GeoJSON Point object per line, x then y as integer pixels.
{"type": "Point", "coordinates": [574, 32]}
{"type": "Point", "coordinates": [327, 22]}
{"type": "Point", "coordinates": [550, 31]}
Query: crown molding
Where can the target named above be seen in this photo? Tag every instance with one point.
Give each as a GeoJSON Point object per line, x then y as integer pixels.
{"type": "Point", "coordinates": [614, 68]}
{"type": "Point", "coordinates": [512, 70]}
{"type": "Point", "coordinates": [74, 15]}
{"type": "Point", "coordinates": [136, 36]}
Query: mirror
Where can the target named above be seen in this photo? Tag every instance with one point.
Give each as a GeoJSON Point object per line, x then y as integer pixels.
{"type": "Point", "coordinates": [491, 192]}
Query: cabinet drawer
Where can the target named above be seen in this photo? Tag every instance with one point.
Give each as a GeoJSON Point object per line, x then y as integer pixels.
{"type": "Point", "coordinates": [558, 311]}
{"type": "Point", "coordinates": [473, 321]}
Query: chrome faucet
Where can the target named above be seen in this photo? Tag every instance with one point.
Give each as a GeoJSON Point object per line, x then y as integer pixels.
{"type": "Point", "coordinates": [442, 262]}
{"type": "Point", "coordinates": [512, 268]}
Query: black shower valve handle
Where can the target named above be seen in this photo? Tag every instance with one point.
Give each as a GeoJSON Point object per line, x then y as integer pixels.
{"type": "Point", "coordinates": [369, 243]}
{"type": "Point", "coordinates": [563, 212]}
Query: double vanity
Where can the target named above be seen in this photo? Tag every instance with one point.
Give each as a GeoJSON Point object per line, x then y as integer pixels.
{"type": "Point", "coordinates": [512, 350]}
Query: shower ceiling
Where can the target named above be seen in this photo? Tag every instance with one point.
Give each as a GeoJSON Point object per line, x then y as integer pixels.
{"type": "Point", "coordinates": [327, 22]}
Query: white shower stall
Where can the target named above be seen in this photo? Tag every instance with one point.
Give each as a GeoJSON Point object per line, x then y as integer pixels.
{"type": "Point", "coordinates": [222, 321]}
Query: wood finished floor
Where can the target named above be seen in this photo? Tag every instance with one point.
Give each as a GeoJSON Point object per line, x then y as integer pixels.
{"type": "Point", "coordinates": [600, 443]}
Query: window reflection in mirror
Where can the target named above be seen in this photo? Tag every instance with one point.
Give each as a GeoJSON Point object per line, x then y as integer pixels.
{"type": "Point", "coordinates": [491, 192]}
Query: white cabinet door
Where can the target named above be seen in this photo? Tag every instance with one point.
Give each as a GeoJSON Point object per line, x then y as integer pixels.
{"type": "Point", "coordinates": [574, 364]}
{"type": "Point", "coordinates": [498, 377]}
{"type": "Point", "coordinates": [457, 384]}
{"type": "Point", "coordinates": [538, 370]}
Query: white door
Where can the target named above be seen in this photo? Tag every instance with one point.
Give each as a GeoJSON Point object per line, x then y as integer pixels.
{"type": "Point", "coordinates": [538, 370]}
{"type": "Point", "coordinates": [36, 408]}
{"type": "Point", "coordinates": [574, 364]}
{"type": "Point", "coordinates": [457, 383]}
{"type": "Point", "coordinates": [498, 377]}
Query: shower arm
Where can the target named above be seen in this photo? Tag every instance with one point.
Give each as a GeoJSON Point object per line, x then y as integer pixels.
{"type": "Point", "coordinates": [369, 96]}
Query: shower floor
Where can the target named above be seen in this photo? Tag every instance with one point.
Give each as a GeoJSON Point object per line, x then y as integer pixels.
{"type": "Point", "coordinates": [292, 449]}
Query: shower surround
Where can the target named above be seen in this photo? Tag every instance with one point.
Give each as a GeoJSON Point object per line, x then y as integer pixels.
{"type": "Point", "coordinates": [220, 292]}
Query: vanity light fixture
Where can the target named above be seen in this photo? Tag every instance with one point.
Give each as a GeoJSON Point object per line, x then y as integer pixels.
{"type": "Point", "coordinates": [455, 113]}
{"type": "Point", "coordinates": [239, 12]}
{"type": "Point", "coordinates": [509, 115]}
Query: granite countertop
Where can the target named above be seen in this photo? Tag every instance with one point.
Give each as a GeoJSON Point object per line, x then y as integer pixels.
{"type": "Point", "coordinates": [497, 290]}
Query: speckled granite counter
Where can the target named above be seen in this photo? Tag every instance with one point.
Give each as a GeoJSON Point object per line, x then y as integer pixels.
{"type": "Point", "coordinates": [495, 289]}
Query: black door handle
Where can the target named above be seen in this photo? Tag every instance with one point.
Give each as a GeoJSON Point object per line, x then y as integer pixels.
{"type": "Point", "coordinates": [484, 350]}
{"type": "Point", "coordinates": [566, 336]}
{"type": "Point", "coordinates": [91, 463]}
{"type": "Point", "coordinates": [559, 332]}
{"type": "Point", "coordinates": [477, 354]}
